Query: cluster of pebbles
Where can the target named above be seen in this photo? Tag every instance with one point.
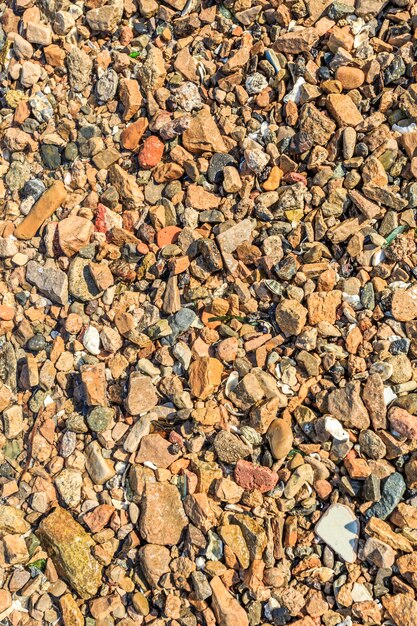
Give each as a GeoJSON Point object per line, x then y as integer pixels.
{"type": "Point", "coordinates": [208, 313]}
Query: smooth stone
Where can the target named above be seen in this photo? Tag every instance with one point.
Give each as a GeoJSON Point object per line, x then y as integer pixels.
{"type": "Point", "coordinates": [339, 529]}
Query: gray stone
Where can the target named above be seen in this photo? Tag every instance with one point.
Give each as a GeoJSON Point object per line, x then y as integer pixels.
{"type": "Point", "coordinates": [393, 490]}
{"type": "Point", "coordinates": [50, 281]}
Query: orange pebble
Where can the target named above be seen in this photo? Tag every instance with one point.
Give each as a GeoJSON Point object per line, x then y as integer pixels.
{"type": "Point", "coordinates": [6, 313]}
{"type": "Point", "coordinates": [167, 235]}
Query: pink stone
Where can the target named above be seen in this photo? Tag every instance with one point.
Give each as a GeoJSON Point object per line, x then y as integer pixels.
{"type": "Point", "coordinates": [250, 476]}
{"type": "Point", "coordinates": [403, 422]}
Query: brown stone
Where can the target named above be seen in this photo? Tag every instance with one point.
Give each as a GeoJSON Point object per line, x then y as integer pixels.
{"type": "Point", "coordinates": [74, 233]}
{"type": "Point", "coordinates": [402, 608]}
{"type": "Point", "coordinates": [202, 135]}
{"type": "Point", "coordinates": [41, 210]}
{"type": "Point", "coordinates": [205, 375]}
{"type": "Point", "coordinates": [350, 77]}
{"type": "Point", "coordinates": [322, 306]}
{"type": "Point", "coordinates": [131, 135]}
{"type": "Point", "coordinates": [343, 110]}
{"type": "Point", "coordinates": [162, 518]}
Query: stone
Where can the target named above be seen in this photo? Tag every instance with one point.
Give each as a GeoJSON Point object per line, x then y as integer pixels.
{"type": "Point", "coordinates": [131, 98]}
{"type": "Point", "coordinates": [40, 34]}
{"type": "Point", "coordinates": [350, 77]}
{"type": "Point", "coordinates": [69, 547]}
{"type": "Point", "coordinates": [153, 72]}
{"type": "Point", "coordinates": [392, 491]}
{"type": "Point", "coordinates": [105, 18]}
{"type": "Point", "coordinates": [205, 376]}
{"type": "Point", "coordinates": [80, 67]}
{"type": "Point", "coordinates": [229, 448]}
{"type": "Point", "coordinates": [373, 399]}
{"type": "Point", "coordinates": [343, 110]}
{"type": "Point", "coordinates": [69, 483]}
{"type": "Point", "coordinates": [140, 603]}
{"type": "Point", "coordinates": [50, 281]}
{"type": "Point", "coordinates": [13, 421]}
{"type": "Point", "coordinates": [141, 396]}
{"type": "Point", "coordinates": [12, 520]}
{"type": "Point", "coordinates": [402, 422]}
{"type": "Point", "coordinates": [94, 382]}
{"type": "Point", "coordinates": [98, 467]}
{"type": "Point", "coordinates": [151, 152]}
{"type": "Point", "coordinates": [250, 476]}
{"type": "Point", "coordinates": [378, 553]}
{"type": "Point", "coordinates": [291, 317]}
{"type": "Point", "coordinates": [338, 527]}
{"type": "Point", "coordinates": [233, 537]}
{"type": "Point", "coordinates": [162, 518]}
{"type": "Point", "coordinates": [154, 561]}
{"type": "Point", "coordinates": [203, 135]}
{"type": "Point", "coordinates": [280, 438]}
{"type": "Point", "coordinates": [131, 135]}
{"type": "Point", "coordinates": [382, 531]}
{"type": "Point", "coordinates": [73, 234]}
{"type": "Point", "coordinates": [298, 41]}
{"type": "Point", "coordinates": [226, 608]}
{"type": "Point", "coordinates": [402, 608]}
{"type": "Point", "coordinates": [126, 186]}
{"type": "Point", "coordinates": [154, 449]}
{"type": "Point", "coordinates": [44, 208]}
{"type": "Point", "coordinates": [404, 304]}
{"type": "Point", "coordinates": [346, 405]}
{"type": "Point", "coordinates": [71, 614]}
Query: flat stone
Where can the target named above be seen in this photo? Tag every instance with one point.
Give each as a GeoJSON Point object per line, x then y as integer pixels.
{"type": "Point", "coordinates": [162, 518]}
{"type": "Point", "coordinates": [157, 450]}
{"type": "Point", "coordinates": [69, 547]}
{"type": "Point", "coordinates": [154, 561]}
{"type": "Point", "coordinates": [12, 520]}
{"type": "Point", "coordinates": [205, 376]}
{"type": "Point", "coordinates": [202, 135]}
{"type": "Point", "coordinates": [142, 396]}
{"type": "Point", "coordinates": [226, 608]}
{"type": "Point", "coordinates": [99, 468]}
{"type": "Point", "coordinates": [339, 528]}
{"type": "Point", "coordinates": [250, 476]}
{"type": "Point", "coordinates": [50, 281]}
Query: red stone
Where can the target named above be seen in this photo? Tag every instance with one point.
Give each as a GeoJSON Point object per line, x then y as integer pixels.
{"type": "Point", "coordinates": [151, 152]}
{"type": "Point", "coordinates": [250, 476]}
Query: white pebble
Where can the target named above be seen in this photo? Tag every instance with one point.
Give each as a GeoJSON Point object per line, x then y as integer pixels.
{"type": "Point", "coordinates": [91, 340]}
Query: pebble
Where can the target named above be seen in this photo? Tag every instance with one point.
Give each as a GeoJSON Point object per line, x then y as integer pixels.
{"type": "Point", "coordinates": [339, 529]}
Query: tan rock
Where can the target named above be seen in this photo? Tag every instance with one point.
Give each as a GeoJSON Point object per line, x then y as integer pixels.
{"type": "Point", "coordinates": [12, 521]}
{"type": "Point", "coordinates": [343, 110]}
{"type": "Point", "coordinates": [141, 397]}
{"type": "Point", "coordinates": [402, 608]}
{"type": "Point", "coordinates": [162, 518]}
{"type": "Point", "coordinates": [154, 561]}
{"type": "Point", "coordinates": [126, 186]}
{"type": "Point", "coordinates": [231, 182]}
{"type": "Point", "coordinates": [71, 614]}
{"type": "Point", "coordinates": [74, 233]}
{"type": "Point", "coordinates": [280, 438]}
{"type": "Point", "coordinates": [297, 41]}
{"type": "Point", "coordinates": [41, 210]}
{"type": "Point", "coordinates": [226, 608]}
{"type": "Point", "coordinates": [202, 135]}
{"type": "Point", "coordinates": [130, 97]}
{"type": "Point", "coordinates": [322, 306]}
{"type": "Point", "coordinates": [205, 375]}
{"type": "Point", "coordinates": [350, 77]}
{"type": "Point", "coordinates": [291, 317]}
{"type": "Point", "coordinates": [157, 450]}
{"type": "Point", "coordinates": [404, 304]}
{"type": "Point", "coordinates": [199, 198]}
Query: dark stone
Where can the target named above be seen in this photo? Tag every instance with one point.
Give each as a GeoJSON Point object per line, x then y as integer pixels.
{"type": "Point", "coordinates": [50, 156]}
{"type": "Point", "coordinates": [392, 491]}
{"type": "Point", "coordinates": [33, 189]}
{"type": "Point", "coordinates": [217, 164]}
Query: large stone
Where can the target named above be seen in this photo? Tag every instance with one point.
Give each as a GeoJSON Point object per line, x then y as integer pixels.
{"type": "Point", "coordinates": [339, 529]}
{"type": "Point", "coordinates": [69, 547]}
{"type": "Point", "coordinates": [402, 608]}
{"type": "Point", "coordinates": [226, 608]}
{"type": "Point", "coordinates": [50, 281]}
{"type": "Point", "coordinates": [157, 450]}
{"type": "Point", "coordinates": [154, 561]}
{"type": "Point", "coordinates": [162, 518]}
{"type": "Point", "coordinates": [99, 468]}
{"type": "Point", "coordinates": [346, 405]}
{"type": "Point", "coordinates": [41, 210]}
{"type": "Point", "coordinates": [291, 317]}
{"type": "Point", "coordinates": [202, 135]}
{"type": "Point", "coordinates": [205, 377]}
{"type": "Point", "coordinates": [141, 397]}
{"type": "Point", "coordinates": [74, 233]}
{"type": "Point", "coordinates": [12, 520]}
